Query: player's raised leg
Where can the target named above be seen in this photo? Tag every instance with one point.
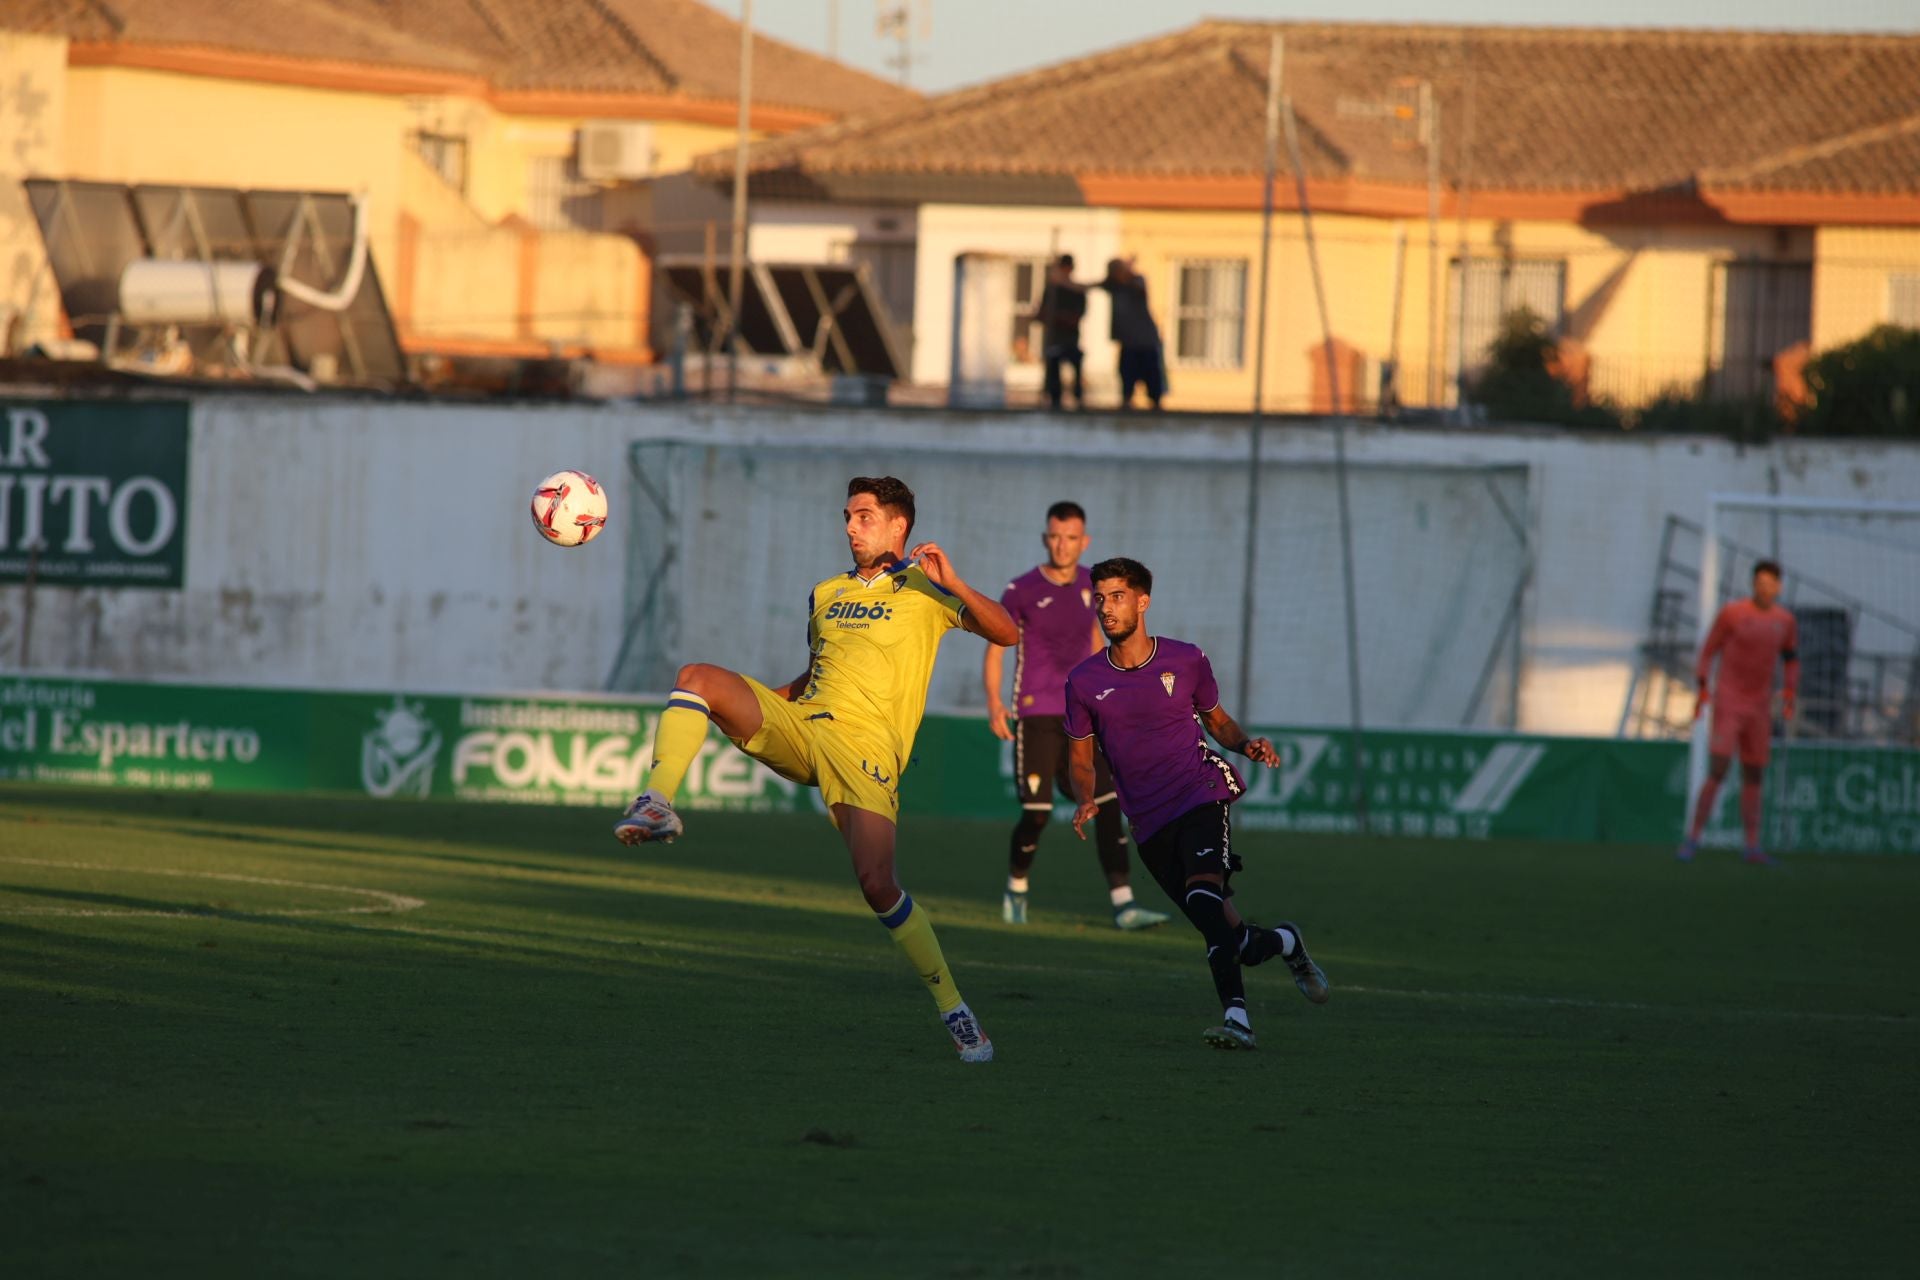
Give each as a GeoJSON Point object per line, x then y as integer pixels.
{"type": "Point", "coordinates": [703, 694]}
{"type": "Point", "coordinates": [870, 839]}
{"type": "Point", "coordinates": [1258, 945]}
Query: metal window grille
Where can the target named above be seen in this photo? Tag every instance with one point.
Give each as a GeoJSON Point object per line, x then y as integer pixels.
{"type": "Point", "coordinates": [1496, 288]}
{"type": "Point", "coordinates": [1903, 299]}
{"type": "Point", "coordinates": [558, 198]}
{"type": "Point", "coordinates": [446, 154]}
{"type": "Point", "coordinates": [1210, 317]}
{"type": "Point", "coordinates": [1759, 310]}
{"type": "Point", "coordinates": [1029, 282]}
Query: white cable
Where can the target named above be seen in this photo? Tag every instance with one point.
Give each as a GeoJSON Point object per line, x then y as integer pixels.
{"type": "Point", "coordinates": [343, 295]}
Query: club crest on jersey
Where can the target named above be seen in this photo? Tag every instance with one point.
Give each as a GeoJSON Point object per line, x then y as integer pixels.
{"type": "Point", "coordinates": [1166, 682]}
{"type": "Point", "coordinates": [1086, 597]}
{"type": "Point", "coordinates": [899, 581]}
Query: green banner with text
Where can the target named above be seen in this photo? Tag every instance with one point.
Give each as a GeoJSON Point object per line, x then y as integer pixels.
{"type": "Point", "coordinates": [93, 494]}
{"type": "Point", "coordinates": [595, 751]}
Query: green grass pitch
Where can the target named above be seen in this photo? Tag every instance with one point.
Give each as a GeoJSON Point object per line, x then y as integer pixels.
{"type": "Point", "coordinates": [249, 1036]}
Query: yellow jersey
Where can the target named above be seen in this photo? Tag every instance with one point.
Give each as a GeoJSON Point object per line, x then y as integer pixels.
{"type": "Point", "coordinates": [873, 646]}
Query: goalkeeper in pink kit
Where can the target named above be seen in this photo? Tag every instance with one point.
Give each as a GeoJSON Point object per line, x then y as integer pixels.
{"type": "Point", "coordinates": [1749, 636]}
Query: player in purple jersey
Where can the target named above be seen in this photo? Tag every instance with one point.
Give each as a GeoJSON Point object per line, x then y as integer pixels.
{"type": "Point", "coordinates": [1151, 702]}
{"type": "Point", "coordinates": [1053, 607]}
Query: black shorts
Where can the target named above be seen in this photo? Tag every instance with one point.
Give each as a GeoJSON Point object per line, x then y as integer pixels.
{"type": "Point", "coordinates": [1040, 755]}
{"type": "Point", "coordinates": [1197, 843]}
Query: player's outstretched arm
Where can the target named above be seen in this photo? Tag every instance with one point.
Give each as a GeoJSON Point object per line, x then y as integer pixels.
{"type": "Point", "coordinates": [1228, 733]}
{"type": "Point", "coordinates": [990, 675]}
{"type": "Point", "coordinates": [1080, 773]}
{"type": "Point", "coordinates": [984, 616]}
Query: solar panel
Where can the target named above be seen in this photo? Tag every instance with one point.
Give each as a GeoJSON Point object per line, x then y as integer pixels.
{"type": "Point", "coordinates": [828, 311]}
{"type": "Point", "coordinates": [93, 230]}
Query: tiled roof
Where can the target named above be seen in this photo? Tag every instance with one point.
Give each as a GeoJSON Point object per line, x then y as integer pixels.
{"type": "Point", "coordinates": [659, 47]}
{"type": "Point", "coordinates": [1880, 160]}
{"type": "Point", "coordinates": [1521, 109]}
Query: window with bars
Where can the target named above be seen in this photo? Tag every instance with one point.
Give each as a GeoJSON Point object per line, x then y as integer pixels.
{"type": "Point", "coordinates": [1903, 299]}
{"type": "Point", "coordinates": [1760, 309]}
{"type": "Point", "coordinates": [558, 198]}
{"type": "Point", "coordinates": [1495, 289]}
{"type": "Point", "coordinates": [1029, 335]}
{"type": "Point", "coordinates": [446, 153]}
{"type": "Point", "coordinates": [1210, 313]}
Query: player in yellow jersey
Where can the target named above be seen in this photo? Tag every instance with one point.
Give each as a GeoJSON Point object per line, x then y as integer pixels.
{"type": "Point", "coordinates": [846, 724]}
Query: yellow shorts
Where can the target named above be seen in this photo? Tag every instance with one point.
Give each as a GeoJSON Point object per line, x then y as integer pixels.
{"type": "Point", "coordinates": [812, 749]}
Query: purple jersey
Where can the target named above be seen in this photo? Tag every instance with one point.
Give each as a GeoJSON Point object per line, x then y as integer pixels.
{"type": "Point", "coordinates": [1148, 723]}
{"type": "Point", "coordinates": [1056, 631]}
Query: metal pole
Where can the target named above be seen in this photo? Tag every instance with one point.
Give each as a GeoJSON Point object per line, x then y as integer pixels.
{"type": "Point", "coordinates": [1390, 394]}
{"type": "Point", "coordinates": [1247, 593]}
{"type": "Point", "coordinates": [1466, 260]}
{"type": "Point", "coordinates": [1706, 604]}
{"type": "Point", "coordinates": [1339, 469]}
{"type": "Point", "coordinates": [1430, 125]}
{"type": "Point", "coordinates": [736, 266]}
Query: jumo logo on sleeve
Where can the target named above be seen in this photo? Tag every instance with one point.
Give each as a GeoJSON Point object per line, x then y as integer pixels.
{"type": "Point", "coordinates": [93, 494]}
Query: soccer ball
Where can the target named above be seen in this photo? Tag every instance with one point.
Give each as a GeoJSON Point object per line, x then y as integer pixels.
{"type": "Point", "coordinates": [569, 508]}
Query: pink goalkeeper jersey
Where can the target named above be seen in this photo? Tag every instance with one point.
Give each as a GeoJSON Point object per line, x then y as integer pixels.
{"type": "Point", "coordinates": [1748, 641]}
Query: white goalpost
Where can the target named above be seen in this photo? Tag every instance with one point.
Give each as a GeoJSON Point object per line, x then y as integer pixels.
{"type": "Point", "coordinates": [1845, 769]}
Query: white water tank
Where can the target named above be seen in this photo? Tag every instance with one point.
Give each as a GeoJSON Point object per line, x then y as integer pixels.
{"type": "Point", "coordinates": [157, 291]}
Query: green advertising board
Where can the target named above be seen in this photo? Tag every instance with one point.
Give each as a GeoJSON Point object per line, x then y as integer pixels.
{"type": "Point", "coordinates": [595, 751]}
{"type": "Point", "coordinates": [93, 494]}
{"type": "Point", "coordinates": [1829, 799]}
{"type": "Point", "coordinates": [1471, 785]}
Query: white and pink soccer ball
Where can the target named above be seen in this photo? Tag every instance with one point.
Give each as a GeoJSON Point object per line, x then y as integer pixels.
{"type": "Point", "coordinates": [569, 508]}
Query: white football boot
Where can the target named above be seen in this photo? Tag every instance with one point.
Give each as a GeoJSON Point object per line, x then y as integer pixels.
{"type": "Point", "coordinates": [649, 819]}
{"type": "Point", "coordinates": [968, 1038]}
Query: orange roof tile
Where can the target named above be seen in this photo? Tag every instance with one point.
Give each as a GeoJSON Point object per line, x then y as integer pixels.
{"type": "Point", "coordinates": [656, 48]}
{"type": "Point", "coordinates": [1539, 110]}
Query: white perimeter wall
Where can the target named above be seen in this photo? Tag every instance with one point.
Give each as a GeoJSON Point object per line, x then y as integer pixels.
{"type": "Point", "coordinates": [370, 545]}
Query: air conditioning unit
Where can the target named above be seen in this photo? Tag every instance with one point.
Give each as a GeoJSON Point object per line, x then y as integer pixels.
{"type": "Point", "coordinates": [612, 150]}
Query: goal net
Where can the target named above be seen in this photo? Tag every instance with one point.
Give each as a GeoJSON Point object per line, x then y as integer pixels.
{"type": "Point", "coordinates": [725, 540]}
{"type": "Point", "coordinates": [1844, 774]}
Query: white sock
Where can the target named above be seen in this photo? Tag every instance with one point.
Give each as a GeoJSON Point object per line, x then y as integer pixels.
{"type": "Point", "coordinates": [1016, 884]}
{"type": "Point", "coordinates": [1239, 1016]}
{"type": "Point", "coordinates": [1122, 897]}
{"type": "Point", "coordinates": [1287, 941]}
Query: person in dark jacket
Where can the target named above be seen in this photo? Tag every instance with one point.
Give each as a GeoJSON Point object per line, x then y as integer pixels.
{"type": "Point", "coordinates": [1063, 305]}
{"type": "Point", "coordinates": [1141, 363]}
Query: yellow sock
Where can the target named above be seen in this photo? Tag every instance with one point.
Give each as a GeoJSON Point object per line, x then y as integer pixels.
{"type": "Point", "coordinates": [912, 931]}
{"type": "Point", "coordinates": [676, 741]}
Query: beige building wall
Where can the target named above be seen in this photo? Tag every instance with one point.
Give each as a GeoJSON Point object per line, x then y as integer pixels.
{"type": "Point", "coordinates": [1863, 277]}
{"type": "Point", "coordinates": [504, 151]}
{"type": "Point", "coordinates": [33, 105]}
{"type": "Point", "coordinates": [591, 290]}
{"type": "Point", "coordinates": [1357, 261]}
{"type": "Point", "coordinates": [133, 125]}
{"type": "Point", "coordinates": [1638, 301]}
{"type": "Point", "coordinates": [456, 262]}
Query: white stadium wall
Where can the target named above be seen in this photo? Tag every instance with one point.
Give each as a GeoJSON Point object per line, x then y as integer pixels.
{"type": "Point", "coordinates": [364, 545]}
